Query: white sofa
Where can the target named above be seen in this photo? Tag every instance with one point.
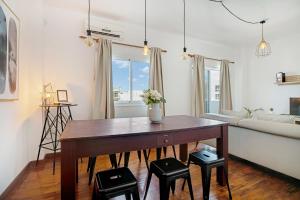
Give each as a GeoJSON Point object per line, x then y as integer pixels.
{"type": "Point", "coordinates": [272, 141]}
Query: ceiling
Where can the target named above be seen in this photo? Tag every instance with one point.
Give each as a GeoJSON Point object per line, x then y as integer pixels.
{"type": "Point", "coordinates": [205, 19]}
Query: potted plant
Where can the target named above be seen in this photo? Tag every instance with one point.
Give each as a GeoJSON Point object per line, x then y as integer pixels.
{"type": "Point", "coordinates": [153, 99]}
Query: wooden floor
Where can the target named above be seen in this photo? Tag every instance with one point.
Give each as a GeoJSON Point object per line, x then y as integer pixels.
{"type": "Point", "coordinates": [247, 182]}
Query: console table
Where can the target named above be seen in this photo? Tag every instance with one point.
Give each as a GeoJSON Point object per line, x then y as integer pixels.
{"type": "Point", "coordinates": [97, 137]}
{"type": "Point", "coordinates": [54, 124]}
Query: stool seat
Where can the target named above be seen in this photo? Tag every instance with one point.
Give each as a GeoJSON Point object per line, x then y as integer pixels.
{"type": "Point", "coordinates": [206, 157]}
{"type": "Point", "coordinates": [115, 182]}
{"type": "Point", "coordinates": [115, 179]}
{"type": "Point", "coordinates": [168, 167]}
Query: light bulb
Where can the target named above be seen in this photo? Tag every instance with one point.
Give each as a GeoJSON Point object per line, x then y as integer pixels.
{"type": "Point", "coordinates": [262, 45]}
{"type": "Point", "coordinates": [146, 49]}
{"type": "Point", "coordinates": [184, 54]}
{"type": "Point", "coordinates": [89, 41]}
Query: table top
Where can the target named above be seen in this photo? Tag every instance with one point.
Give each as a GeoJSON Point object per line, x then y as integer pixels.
{"type": "Point", "coordinates": [90, 129]}
{"type": "Point", "coordinates": [58, 105]}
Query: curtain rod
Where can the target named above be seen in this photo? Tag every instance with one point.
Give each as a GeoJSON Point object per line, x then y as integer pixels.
{"type": "Point", "coordinates": [122, 44]}
{"type": "Point", "coordinates": [207, 58]}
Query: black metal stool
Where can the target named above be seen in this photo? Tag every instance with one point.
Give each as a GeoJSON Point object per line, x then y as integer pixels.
{"type": "Point", "coordinates": [168, 170]}
{"type": "Point", "coordinates": [115, 182]}
{"type": "Point", "coordinates": [207, 160]}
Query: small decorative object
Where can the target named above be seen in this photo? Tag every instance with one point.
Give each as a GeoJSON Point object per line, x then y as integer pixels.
{"type": "Point", "coordinates": [153, 98]}
{"type": "Point", "coordinates": [62, 96]}
{"type": "Point", "coordinates": [9, 53]}
{"type": "Point", "coordinates": [48, 94]}
{"type": "Point", "coordinates": [271, 110]}
{"type": "Point", "coordinates": [250, 112]}
{"type": "Point", "coordinates": [280, 77]}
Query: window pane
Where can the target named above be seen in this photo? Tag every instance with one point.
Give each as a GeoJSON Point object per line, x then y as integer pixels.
{"type": "Point", "coordinates": [212, 89]}
{"type": "Point", "coordinates": [140, 79]}
{"type": "Point", "coordinates": [120, 74]}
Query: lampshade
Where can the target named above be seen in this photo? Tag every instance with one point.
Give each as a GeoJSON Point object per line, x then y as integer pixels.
{"type": "Point", "coordinates": [89, 41]}
{"type": "Point", "coordinates": [263, 48]}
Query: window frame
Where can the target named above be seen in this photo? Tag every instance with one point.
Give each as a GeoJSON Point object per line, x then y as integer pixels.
{"type": "Point", "coordinates": [131, 102]}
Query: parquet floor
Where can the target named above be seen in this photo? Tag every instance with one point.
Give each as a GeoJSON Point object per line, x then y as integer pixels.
{"type": "Point", "coordinates": [246, 182]}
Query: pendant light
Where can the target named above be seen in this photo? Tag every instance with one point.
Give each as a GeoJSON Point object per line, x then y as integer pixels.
{"type": "Point", "coordinates": [263, 48]}
{"type": "Point", "coordinates": [146, 48]}
{"type": "Point", "coordinates": [89, 40]}
{"type": "Point", "coordinates": [184, 54]}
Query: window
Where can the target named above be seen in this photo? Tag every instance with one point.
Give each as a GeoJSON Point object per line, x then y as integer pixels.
{"type": "Point", "coordinates": [212, 88]}
{"type": "Point", "coordinates": [130, 79]}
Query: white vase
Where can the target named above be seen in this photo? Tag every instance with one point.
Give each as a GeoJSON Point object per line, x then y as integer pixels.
{"type": "Point", "coordinates": [155, 113]}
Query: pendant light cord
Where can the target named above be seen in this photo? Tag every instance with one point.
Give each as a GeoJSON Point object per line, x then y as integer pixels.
{"type": "Point", "coordinates": [235, 15]}
{"type": "Point", "coordinates": [145, 20]}
{"type": "Point", "coordinates": [184, 23]}
{"type": "Point", "coordinates": [89, 16]}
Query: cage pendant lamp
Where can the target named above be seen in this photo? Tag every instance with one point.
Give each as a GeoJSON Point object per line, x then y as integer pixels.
{"type": "Point", "coordinates": [263, 48]}
{"type": "Point", "coordinates": [89, 40]}
{"type": "Point", "coordinates": [146, 48]}
{"type": "Point", "coordinates": [184, 53]}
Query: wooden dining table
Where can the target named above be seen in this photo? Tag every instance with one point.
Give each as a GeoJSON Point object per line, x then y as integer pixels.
{"type": "Point", "coordinates": [83, 138]}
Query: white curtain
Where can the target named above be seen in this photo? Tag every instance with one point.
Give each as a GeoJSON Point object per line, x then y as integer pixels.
{"type": "Point", "coordinates": [103, 102]}
{"type": "Point", "coordinates": [225, 87]}
{"type": "Point", "coordinates": [198, 98]}
{"type": "Point", "coordinates": [156, 76]}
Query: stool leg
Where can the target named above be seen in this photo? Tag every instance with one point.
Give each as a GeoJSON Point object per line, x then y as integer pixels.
{"type": "Point", "coordinates": [92, 167]}
{"type": "Point", "coordinates": [158, 153]}
{"type": "Point", "coordinates": [128, 196]}
{"type": "Point", "coordinates": [149, 151]}
{"type": "Point", "coordinates": [139, 155]}
{"type": "Point", "coordinates": [227, 182]}
{"type": "Point", "coordinates": [76, 170]}
{"type": "Point", "coordinates": [126, 159]}
{"type": "Point", "coordinates": [120, 159]}
{"type": "Point", "coordinates": [165, 151]}
{"type": "Point", "coordinates": [173, 185]}
{"type": "Point", "coordinates": [113, 160]}
{"type": "Point", "coordinates": [174, 151]}
{"type": "Point", "coordinates": [148, 184]}
{"type": "Point", "coordinates": [190, 187]}
{"type": "Point", "coordinates": [164, 189]}
{"type": "Point", "coordinates": [206, 174]}
{"type": "Point", "coordinates": [89, 165]}
{"type": "Point", "coordinates": [146, 159]}
{"type": "Point", "coordinates": [135, 194]}
{"type": "Point", "coordinates": [188, 165]}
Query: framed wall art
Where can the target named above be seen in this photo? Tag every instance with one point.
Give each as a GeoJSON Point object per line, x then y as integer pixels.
{"type": "Point", "coordinates": [9, 53]}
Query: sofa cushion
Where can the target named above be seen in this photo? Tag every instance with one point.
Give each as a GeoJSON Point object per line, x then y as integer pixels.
{"type": "Point", "coordinates": [239, 114]}
{"type": "Point", "coordinates": [275, 118]}
{"type": "Point", "coordinates": [232, 120]}
{"type": "Point", "coordinates": [281, 129]}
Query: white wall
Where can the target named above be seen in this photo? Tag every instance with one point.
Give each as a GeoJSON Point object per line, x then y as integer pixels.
{"type": "Point", "coordinates": [69, 64]}
{"type": "Point", "coordinates": [21, 120]}
{"type": "Point", "coordinates": [259, 75]}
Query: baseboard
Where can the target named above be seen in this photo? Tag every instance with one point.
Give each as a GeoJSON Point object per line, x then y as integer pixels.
{"type": "Point", "coordinates": [266, 170]}
{"type": "Point", "coordinates": [17, 180]}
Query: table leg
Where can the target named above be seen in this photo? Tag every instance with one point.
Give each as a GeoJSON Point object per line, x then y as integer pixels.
{"type": "Point", "coordinates": [222, 151]}
{"type": "Point", "coordinates": [68, 170]}
{"type": "Point", "coordinates": [183, 152]}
